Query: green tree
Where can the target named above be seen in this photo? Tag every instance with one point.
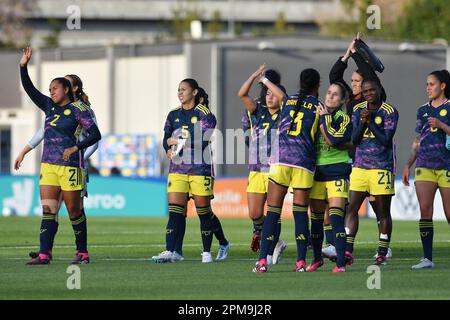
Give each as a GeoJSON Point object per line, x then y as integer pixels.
{"type": "Point", "coordinates": [425, 20]}
{"type": "Point", "coordinates": [52, 39]}
{"type": "Point", "coordinates": [280, 23]}
{"type": "Point", "coordinates": [215, 26]}
{"type": "Point", "coordinates": [14, 31]}
{"type": "Point", "coordinates": [182, 16]}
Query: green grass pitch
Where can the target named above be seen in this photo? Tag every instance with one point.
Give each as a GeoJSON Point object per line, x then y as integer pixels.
{"type": "Point", "coordinates": [120, 269]}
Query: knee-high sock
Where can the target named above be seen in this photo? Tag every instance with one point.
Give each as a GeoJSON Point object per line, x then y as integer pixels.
{"type": "Point", "coordinates": [47, 232]}
{"type": "Point", "coordinates": [337, 222]}
{"type": "Point", "coordinates": [218, 230]}
{"type": "Point", "coordinates": [426, 230]}
{"type": "Point", "coordinates": [276, 237]}
{"type": "Point", "coordinates": [269, 230]}
{"type": "Point", "coordinates": [173, 225]}
{"type": "Point", "coordinates": [181, 221]}
{"type": "Point", "coordinates": [301, 230]}
{"type": "Point", "coordinates": [329, 239]}
{"type": "Point", "coordinates": [258, 224]}
{"type": "Point", "coordinates": [79, 226]}
{"type": "Point", "coordinates": [317, 234]}
{"type": "Point", "coordinates": [206, 226]}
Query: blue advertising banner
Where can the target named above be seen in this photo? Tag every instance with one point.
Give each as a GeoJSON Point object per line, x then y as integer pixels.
{"type": "Point", "coordinates": [108, 196]}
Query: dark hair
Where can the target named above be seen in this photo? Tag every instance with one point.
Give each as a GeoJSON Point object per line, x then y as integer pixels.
{"type": "Point", "coordinates": [359, 72]}
{"type": "Point", "coordinates": [194, 86]}
{"type": "Point", "coordinates": [444, 77]}
{"type": "Point", "coordinates": [66, 84]}
{"type": "Point", "coordinates": [275, 77]}
{"type": "Point", "coordinates": [79, 94]}
{"type": "Point", "coordinates": [309, 82]}
{"type": "Point", "coordinates": [202, 94]}
{"type": "Point", "coordinates": [344, 91]}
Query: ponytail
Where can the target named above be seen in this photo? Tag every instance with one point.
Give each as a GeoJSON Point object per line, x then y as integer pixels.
{"type": "Point", "coordinates": [79, 94]}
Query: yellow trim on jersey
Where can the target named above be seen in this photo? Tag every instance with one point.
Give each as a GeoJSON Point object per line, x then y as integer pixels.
{"type": "Point", "coordinates": [388, 108]}
{"type": "Point", "coordinates": [251, 123]}
{"type": "Point", "coordinates": [315, 126]}
{"type": "Point", "coordinates": [202, 108]}
{"type": "Point", "coordinates": [79, 106]}
{"type": "Point", "coordinates": [360, 106]}
{"type": "Point", "coordinates": [342, 128]}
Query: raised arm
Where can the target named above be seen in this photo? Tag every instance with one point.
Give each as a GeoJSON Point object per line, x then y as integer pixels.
{"type": "Point", "coordinates": [39, 99]}
{"type": "Point", "coordinates": [248, 102]}
{"type": "Point", "coordinates": [278, 93]}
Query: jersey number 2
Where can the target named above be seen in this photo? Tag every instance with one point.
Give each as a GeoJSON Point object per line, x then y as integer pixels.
{"type": "Point", "coordinates": [52, 123]}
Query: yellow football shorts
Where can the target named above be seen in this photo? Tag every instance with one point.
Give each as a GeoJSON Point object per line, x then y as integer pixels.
{"type": "Point", "coordinates": [376, 182]}
{"type": "Point", "coordinates": [441, 177]}
{"type": "Point", "coordinates": [193, 185]}
{"type": "Point", "coordinates": [258, 182]}
{"type": "Point", "coordinates": [68, 178]}
{"type": "Point", "coordinates": [288, 176]}
{"type": "Point", "coordinates": [323, 190]}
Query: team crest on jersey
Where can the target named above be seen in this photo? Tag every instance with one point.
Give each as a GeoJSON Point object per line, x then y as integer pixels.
{"type": "Point", "coordinates": [378, 120]}
{"type": "Point", "coordinates": [194, 119]}
{"type": "Point", "coordinates": [443, 113]}
{"type": "Point", "coordinates": [177, 120]}
{"type": "Point", "coordinates": [262, 117]}
{"type": "Point", "coordinates": [274, 116]}
{"type": "Point", "coordinates": [67, 112]}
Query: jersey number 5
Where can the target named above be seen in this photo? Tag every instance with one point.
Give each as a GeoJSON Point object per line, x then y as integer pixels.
{"type": "Point", "coordinates": [52, 123]}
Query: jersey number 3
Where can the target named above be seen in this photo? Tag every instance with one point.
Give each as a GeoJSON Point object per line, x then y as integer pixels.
{"type": "Point", "coordinates": [298, 125]}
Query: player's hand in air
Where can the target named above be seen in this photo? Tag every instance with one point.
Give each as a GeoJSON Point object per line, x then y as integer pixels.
{"type": "Point", "coordinates": [26, 56]}
{"type": "Point", "coordinates": [405, 176]}
{"type": "Point", "coordinates": [260, 70]}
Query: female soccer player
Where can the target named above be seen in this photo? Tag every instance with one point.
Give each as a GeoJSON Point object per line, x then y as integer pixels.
{"type": "Point", "coordinates": [62, 162]}
{"type": "Point", "coordinates": [433, 159]}
{"type": "Point", "coordinates": [188, 129]}
{"type": "Point", "coordinates": [331, 177]}
{"type": "Point", "coordinates": [292, 164]}
{"type": "Point", "coordinates": [261, 116]}
{"type": "Point", "coordinates": [374, 125]}
{"type": "Point", "coordinates": [224, 244]}
{"type": "Point", "coordinates": [355, 97]}
{"type": "Point", "coordinates": [82, 98]}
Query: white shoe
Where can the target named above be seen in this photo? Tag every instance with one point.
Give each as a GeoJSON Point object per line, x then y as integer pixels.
{"type": "Point", "coordinates": [329, 252]}
{"type": "Point", "coordinates": [278, 251]}
{"type": "Point", "coordinates": [269, 260]}
{"type": "Point", "coordinates": [206, 257]}
{"type": "Point", "coordinates": [163, 257]}
{"type": "Point", "coordinates": [424, 264]}
{"type": "Point", "coordinates": [388, 254]}
{"type": "Point", "coordinates": [223, 252]}
{"type": "Point", "coordinates": [176, 257]}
